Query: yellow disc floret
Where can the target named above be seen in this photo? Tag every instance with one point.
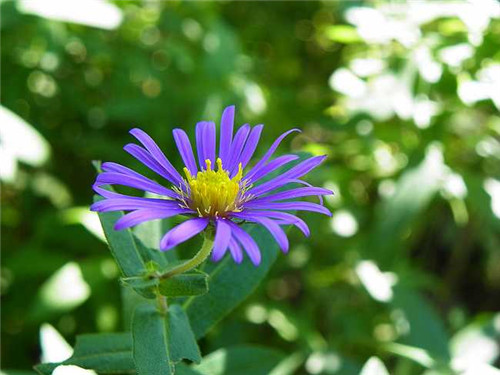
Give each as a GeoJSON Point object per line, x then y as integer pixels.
{"type": "Point", "coordinates": [214, 193]}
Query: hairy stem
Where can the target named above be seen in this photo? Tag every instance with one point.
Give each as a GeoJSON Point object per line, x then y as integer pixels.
{"type": "Point", "coordinates": [203, 254]}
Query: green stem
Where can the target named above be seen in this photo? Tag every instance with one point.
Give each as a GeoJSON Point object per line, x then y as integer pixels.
{"type": "Point", "coordinates": [161, 304]}
{"type": "Point", "coordinates": [203, 254]}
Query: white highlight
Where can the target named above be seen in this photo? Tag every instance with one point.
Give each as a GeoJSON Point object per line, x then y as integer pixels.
{"type": "Point", "coordinates": [19, 141]}
{"type": "Point", "coordinates": [96, 13]}
{"type": "Point", "coordinates": [89, 219]}
{"type": "Point", "coordinates": [66, 288]}
{"type": "Point", "coordinates": [54, 346]}
{"type": "Point", "coordinates": [377, 283]}
{"type": "Point", "coordinates": [374, 366]}
{"type": "Point", "coordinates": [344, 223]}
{"type": "Point", "coordinates": [492, 187]}
{"type": "Point", "coordinates": [72, 370]}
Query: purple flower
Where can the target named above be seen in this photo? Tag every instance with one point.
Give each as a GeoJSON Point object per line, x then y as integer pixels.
{"type": "Point", "coordinates": [215, 191]}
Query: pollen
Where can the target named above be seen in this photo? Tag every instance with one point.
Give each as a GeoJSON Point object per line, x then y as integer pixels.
{"type": "Point", "coordinates": [213, 193]}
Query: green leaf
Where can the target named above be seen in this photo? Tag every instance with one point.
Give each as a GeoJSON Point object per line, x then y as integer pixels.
{"type": "Point", "coordinates": [147, 237]}
{"type": "Point", "coordinates": [121, 244]}
{"type": "Point", "coordinates": [151, 351]}
{"type": "Point", "coordinates": [242, 360]}
{"type": "Point", "coordinates": [186, 284]}
{"type": "Point", "coordinates": [395, 215]}
{"type": "Point", "coordinates": [159, 341]}
{"type": "Point", "coordinates": [181, 338]}
{"type": "Point", "coordinates": [427, 330]}
{"type": "Point", "coordinates": [105, 353]}
{"type": "Point", "coordinates": [133, 249]}
{"type": "Point", "coordinates": [230, 284]}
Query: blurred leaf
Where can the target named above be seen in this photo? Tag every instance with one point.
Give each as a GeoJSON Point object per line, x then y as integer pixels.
{"type": "Point", "coordinates": [108, 353]}
{"type": "Point", "coordinates": [242, 360]}
{"type": "Point", "coordinates": [417, 355]}
{"type": "Point", "coordinates": [342, 34]}
{"type": "Point", "coordinates": [426, 329]}
{"type": "Point", "coordinates": [414, 190]}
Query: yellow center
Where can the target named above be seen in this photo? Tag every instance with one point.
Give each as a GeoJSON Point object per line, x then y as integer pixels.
{"type": "Point", "coordinates": [214, 193]}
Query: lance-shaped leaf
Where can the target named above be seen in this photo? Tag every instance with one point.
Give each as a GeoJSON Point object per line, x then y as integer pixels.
{"type": "Point", "coordinates": [108, 353]}
{"type": "Point", "coordinates": [132, 249]}
{"type": "Point", "coordinates": [122, 245]}
{"type": "Point", "coordinates": [159, 341]}
{"type": "Point", "coordinates": [180, 336]}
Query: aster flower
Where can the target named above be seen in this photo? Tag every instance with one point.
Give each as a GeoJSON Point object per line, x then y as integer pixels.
{"type": "Point", "coordinates": [216, 192]}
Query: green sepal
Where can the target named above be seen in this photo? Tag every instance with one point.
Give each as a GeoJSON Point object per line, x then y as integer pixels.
{"type": "Point", "coordinates": [193, 283]}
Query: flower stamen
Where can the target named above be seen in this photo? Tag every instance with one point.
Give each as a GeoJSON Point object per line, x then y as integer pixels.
{"type": "Point", "coordinates": [213, 193]}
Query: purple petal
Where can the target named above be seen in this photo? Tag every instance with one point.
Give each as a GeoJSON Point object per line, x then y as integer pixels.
{"type": "Point", "coordinates": [183, 232]}
{"type": "Point", "coordinates": [185, 149]}
{"type": "Point", "coordinates": [107, 193]}
{"type": "Point", "coordinates": [221, 241]}
{"type": "Point", "coordinates": [155, 151]}
{"type": "Point", "coordinates": [292, 206]}
{"type": "Point", "coordinates": [293, 193]}
{"type": "Point", "coordinates": [248, 151]}
{"type": "Point", "coordinates": [226, 133]}
{"type": "Point", "coordinates": [237, 147]}
{"type": "Point", "coordinates": [273, 228]}
{"type": "Point", "coordinates": [270, 167]}
{"type": "Point", "coordinates": [247, 242]}
{"type": "Point", "coordinates": [309, 185]}
{"type": "Point", "coordinates": [136, 181]}
{"type": "Point", "coordinates": [269, 153]}
{"type": "Point", "coordinates": [209, 142]}
{"type": "Point", "coordinates": [139, 216]}
{"type": "Point", "coordinates": [296, 172]}
{"type": "Point", "coordinates": [284, 217]}
{"type": "Point", "coordinates": [133, 203]}
{"type": "Point", "coordinates": [203, 129]}
{"type": "Point", "coordinates": [145, 158]}
{"type": "Point", "coordinates": [235, 250]}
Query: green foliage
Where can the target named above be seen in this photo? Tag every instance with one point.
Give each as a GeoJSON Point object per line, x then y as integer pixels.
{"type": "Point", "coordinates": [108, 353]}
{"type": "Point", "coordinates": [244, 360]}
{"type": "Point", "coordinates": [401, 96]}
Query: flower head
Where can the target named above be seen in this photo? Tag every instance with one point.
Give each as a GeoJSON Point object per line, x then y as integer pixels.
{"type": "Point", "coordinates": [216, 191]}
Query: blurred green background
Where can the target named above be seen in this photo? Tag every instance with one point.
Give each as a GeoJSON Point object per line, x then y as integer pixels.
{"type": "Point", "coordinates": [404, 99]}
